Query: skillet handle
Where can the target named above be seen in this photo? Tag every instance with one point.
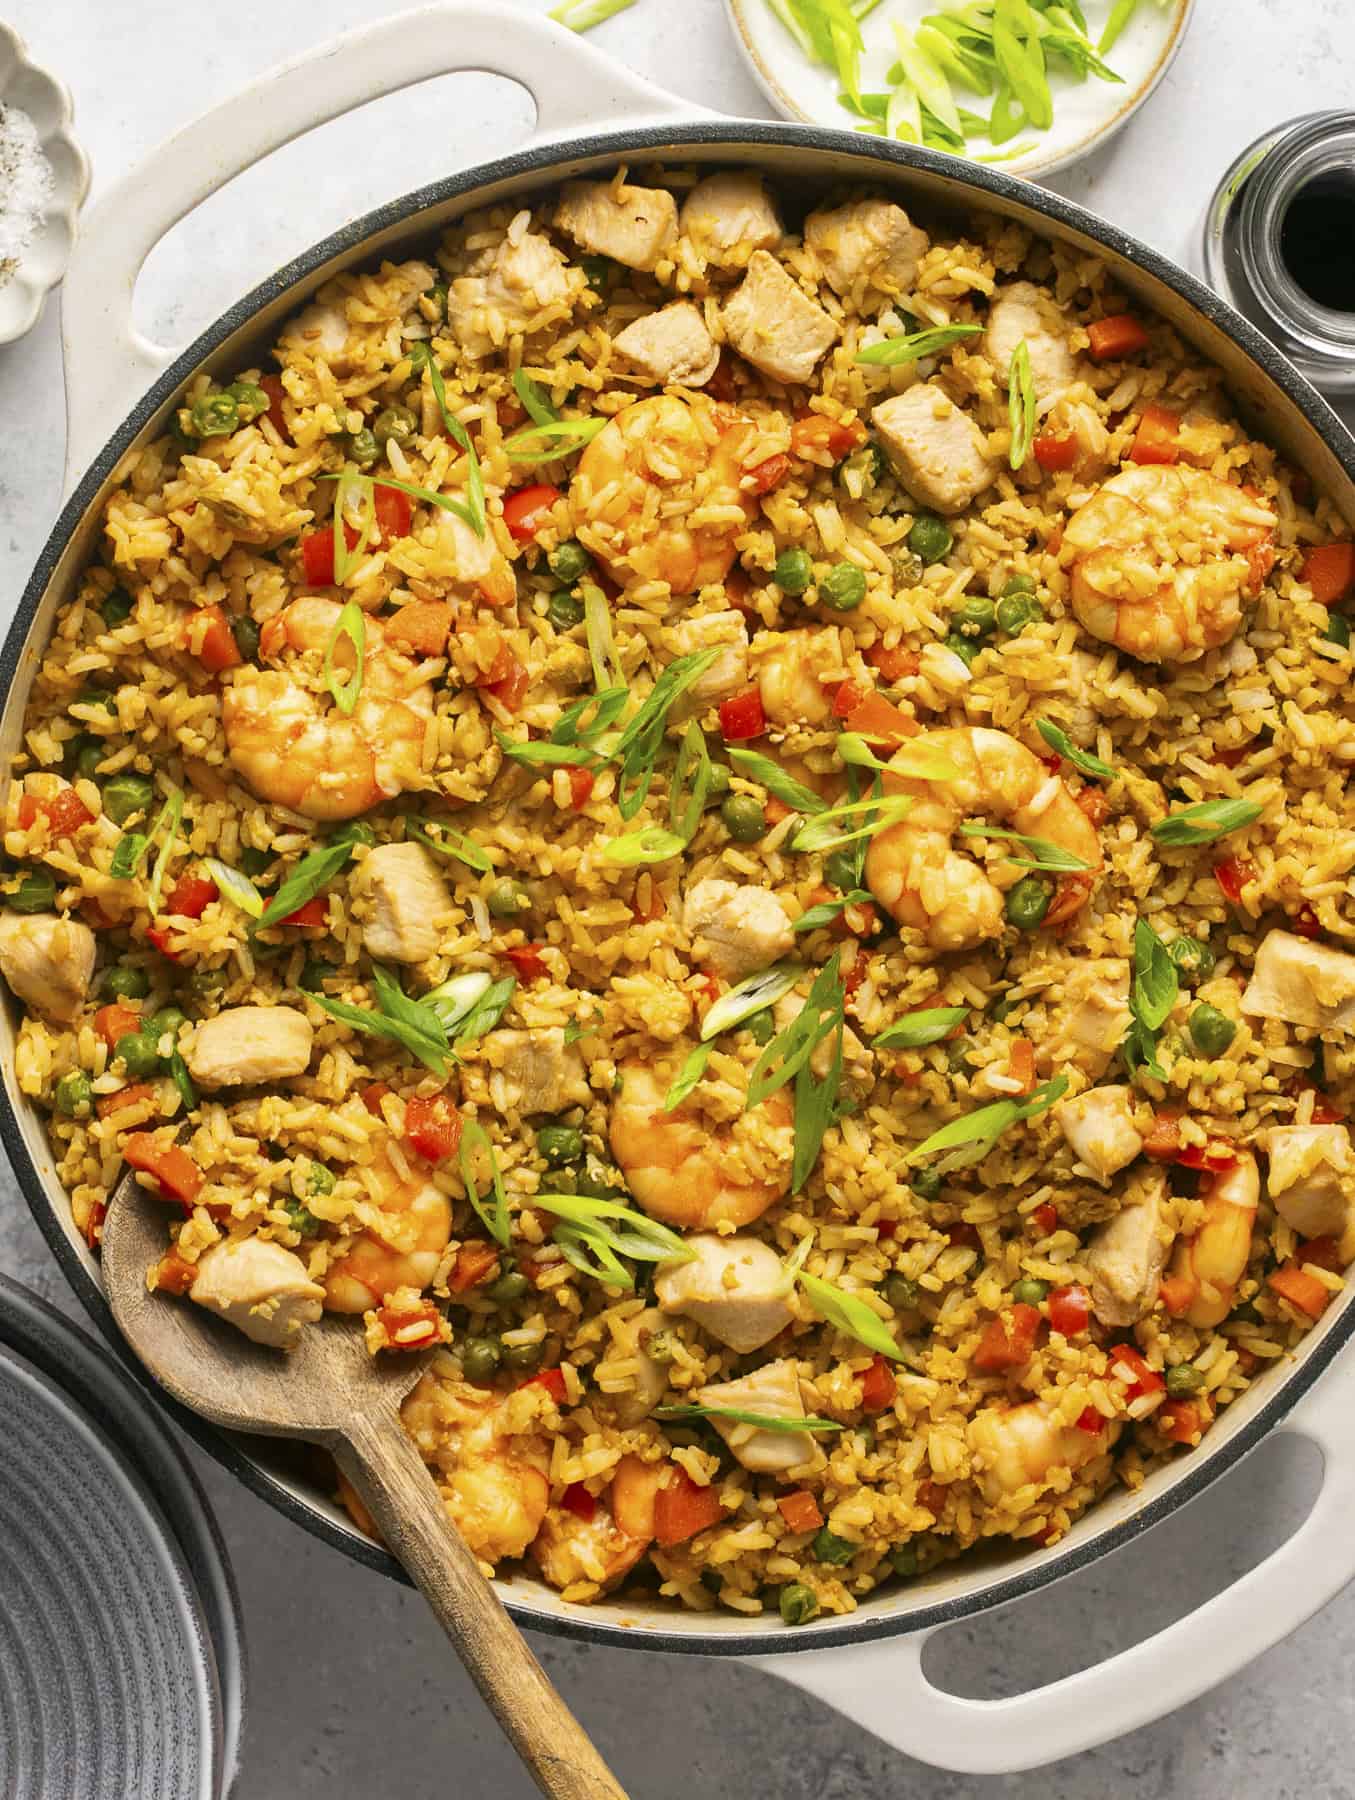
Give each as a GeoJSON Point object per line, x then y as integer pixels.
{"type": "Point", "coordinates": [109, 364]}
{"type": "Point", "coordinates": [884, 1688]}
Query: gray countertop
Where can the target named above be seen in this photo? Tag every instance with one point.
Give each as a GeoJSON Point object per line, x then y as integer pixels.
{"type": "Point", "coordinates": [353, 1690]}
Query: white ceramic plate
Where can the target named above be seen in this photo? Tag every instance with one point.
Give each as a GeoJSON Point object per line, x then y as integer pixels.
{"type": "Point", "coordinates": [44, 259]}
{"type": "Point", "coordinates": [1085, 112]}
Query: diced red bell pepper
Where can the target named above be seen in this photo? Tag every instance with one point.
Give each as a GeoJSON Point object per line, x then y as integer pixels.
{"type": "Point", "coordinates": [839, 437]}
{"type": "Point", "coordinates": [847, 696]}
{"type": "Point", "coordinates": [508, 680]}
{"type": "Point", "coordinates": [125, 1098]}
{"type": "Point", "coordinates": [475, 1262]}
{"type": "Point", "coordinates": [213, 641]}
{"type": "Point", "coordinates": [372, 1096]}
{"type": "Point", "coordinates": [1070, 896]}
{"type": "Point", "coordinates": [524, 510]}
{"type": "Point", "coordinates": [162, 936]}
{"type": "Point", "coordinates": [553, 1380]}
{"type": "Point", "coordinates": [683, 1508]}
{"type": "Point", "coordinates": [173, 1274]}
{"type": "Point", "coordinates": [1156, 440]}
{"type": "Point", "coordinates": [433, 1127]}
{"type": "Point", "coordinates": [1090, 1421]}
{"type": "Point", "coordinates": [526, 959]}
{"type": "Point", "coordinates": [1045, 1218]}
{"type": "Point", "coordinates": [393, 511]}
{"type": "Point", "coordinates": [1129, 1366]}
{"type": "Point", "coordinates": [1114, 338]}
{"type": "Point", "coordinates": [894, 664]}
{"type": "Point", "coordinates": [1055, 454]}
{"type": "Point", "coordinates": [313, 913]}
{"type": "Point", "coordinates": [578, 1500]}
{"type": "Point", "coordinates": [1323, 1252]}
{"type": "Point", "coordinates": [1232, 875]}
{"type": "Point", "coordinates": [317, 559]}
{"type": "Point", "coordinates": [877, 1386]}
{"type": "Point", "coordinates": [580, 787]}
{"type": "Point", "coordinates": [1302, 1290]}
{"type": "Point", "coordinates": [1306, 922]}
{"type": "Point", "coordinates": [887, 1228]}
{"type": "Point", "coordinates": [768, 474]}
{"type": "Point", "coordinates": [881, 722]}
{"type": "Point", "coordinates": [1070, 1309]}
{"type": "Point", "coordinates": [421, 626]}
{"type": "Point", "coordinates": [1329, 570]}
{"type": "Point", "coordinates": [179, 1176]}
{"type": "Point", "coordinates": [1009, 1341]}
{"type": "Point", "coordinates": [1163, 1142]}
{"type": "Point", "coordinates": [932, 1495]}
{"type": "Point", "coordinates": [113, 1022]}
{"type": "Point", "coordinates": [742, 717]}
{"type": "Point", "coordinates": [1215, 1154]}
{"type": "Point", "coordinates": [65, 812]}
{"type": "Point", "coordinates": [190, 896]}
{"type": "Point", "coordinates": [800, 1510]}
{"type": "Point", "coordinates": [411, 1327]}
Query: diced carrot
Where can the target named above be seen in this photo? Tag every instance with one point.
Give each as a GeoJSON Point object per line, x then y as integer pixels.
{"type": "Point", "coordinates": [1021, 1063]}
{"type": "Point", "coordinates": [1045, 1218]}
{"type": "Point", "coordinates": [1329, 570]}
{"type": "Point", "coordinates": [768, 474]}
{"type": "Point", "coordinates": [1119, 336]}
{"type": "Point", "coordinates": [272, 386]}
{"type": "Point", "coordinates": [526, 959]}
{"type": "Point", "coordinates": [1215, 1154]}
{"type": "Point", "coordinates": [394, 514]}
{"type": "Point", "coordinates": [524, 510]}
{"type": "Point", "coordinates": [421, 626]}
{"type": "Point", "coordinates": [190, 896]}
{"type": "Point", "coordinates": [1232, 875]}
{"type": "Point", "coordinates": [372, 1096]}
{"type": "Point", "coordinates": [580, 787]}
{"type": "Point", "coordinates": [113, 1022]}
{"type": "Point", "coordinates": [878, 1386]}
{"type": "Point", "coordinates": [1094, 806]}
{"type": "Point", "coordinates": [314, 913]}
{"type": "Point", "coordinates": [800, 1510]}
{"type": "Point", "coordinates": [742, 717]}
{"type": "Point", "coordinates": [895, 664]}
{"type": "Point", "coordinates": [212, 641]}
{"type": "Point", "coordinates": [162, 936]}
{"type": "Point", "coordinates": [1176, 1293]}
{"type": "Point", "coordinates": [932, 1495]}
{"type": "Point", "coordinates": [132, 1095]}
{"type": "Point", "coordinates": [578, 1500]}
{"type": "Point", "coordinates": [553, 1380]}
{"type": "Point", "coordinates": [1070, 1309]}
{"type": "Point", "coordinates": [474, 1261]}
{"type": "Point", "coordinates": [1070, 896]}
{"type": "Point", "coordinates": [1302, 1290]}
{"type": "Point", "coordinates": [179, 1176]}
{"type": "Point", "coordinates": [411, 1327]}
{"type": "Point", "coordinates": [94, 1224]}
{"type": "Point", "coordinates": [174, 1274]}
{"type": "Point", "coordinates": [775, 810]}
{"type": "Point", "coordinates": [508, 680]}
{"type": "Point", "coordinates": [1163, 1142]}
{"type": "Point", "coordinates": [882, 722]}
{"type": "Point", "coordinates": [1009, 1341]}
{"type": "Point", "coordinates": [1055, 454]}
{"type": "Point", "coordinates": [433, 1126]}
{"type": "Point", "coordinates": [1181, 1421]}
{"type": "Point", "coordinates": [814, 432]}
{"type": "Point", "coordinates": [683, 1508]}
{"type": "Point", "coordinates": [1155, 441]}
{"type": "Point", "coordinates": [847, 696]}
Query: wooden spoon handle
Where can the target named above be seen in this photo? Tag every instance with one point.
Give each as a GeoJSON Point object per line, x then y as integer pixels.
{"type": "Point", "coordinates": [386, 1469]}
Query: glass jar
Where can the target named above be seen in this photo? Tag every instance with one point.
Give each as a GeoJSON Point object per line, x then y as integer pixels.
{"type": "Point", "coordinates": [1248, 260]}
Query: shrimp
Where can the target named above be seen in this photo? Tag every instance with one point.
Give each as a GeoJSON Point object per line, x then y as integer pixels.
{"type": "Point", "coordinates": [296, 749]}
{"type": "Point", "coordinates": [917, 876]}
{"type": "Point", "coordinates": [404, 1251]}
{"type": "Point", "coordinates": [489, 1457]}
{"type": "Point", "coordinates": [656, 494]}
{"type": "Point", "coordinates": [1207, 1267]}
{"type": "Point", "coordinates": [788, 677]}
{"type": "Point", "coordinates": [1161, 558]}
{"type": "Point", "coordinates": [697, 1173]}
{"type": "Point", "coordinates": [602, 1545]}
{"type": "Point", "coordinates": [1021, 1446]}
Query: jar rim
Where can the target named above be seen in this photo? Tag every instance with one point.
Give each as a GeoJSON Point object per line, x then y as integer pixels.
{"type": "Point", "coordinates": [1316, 145]}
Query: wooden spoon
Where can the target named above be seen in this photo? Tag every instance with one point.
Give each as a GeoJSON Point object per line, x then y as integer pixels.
{"type": "Point", "coordinates": [330, 1391]}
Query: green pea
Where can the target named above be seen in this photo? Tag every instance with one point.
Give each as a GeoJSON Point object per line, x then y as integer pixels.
{"type": "Point", "coordinates": [480, 1359]}
{"type": "Point", "coordinates": [903, 1560]}
{"type": "Point", "coordinates": [965, 648]}
{"type": "Point", "coordinates": [250, 400]}
{"type": "Point", "coordinates": [761, 1026]}
{"type": "Point", "coordinates": [436, 296]}
{"type": "Point", "coordinates": [138, 1053]}
{"type": "Point", "coordinates": [125, 795]}
{"type": "Point", "coordinates": [1016, 611]}
{"type": "Point", "coordinates": [743, 818]}
{"type": "Point", "coordinates": [719, 782]}
{"type": "Point", "coordinates": [321, 1180]}
{"type": "Point", "coordinates": [1338, 630]}
{"type": "Point", "coordinates": [74, 1097]}
{"type": "Point", "coordinates": [214, 415]}
{"type": "Point", "coordinates": [797, 1603]}
{"type": "Point", "coordinates": [975, 617]}
{"type": "Point", "coordinates": [253, 862]}
{"type": "Point", "coordinates": [862, 471]}
{"type": "Point", "coordinates": [120, 983]}
{"type": "Point", "coordinates": [511, 1285]}
{"type": "Point", "coordinates": [1183, 1380]}
{"type": "Point", "coordinates": [561, 1181]}
{"type": "Point", "coordinates": [301, 1219]}
{"type": "Point", "coordinates": [315, 973]}
{"type": "Point", "coordinates": [363, 448]}
{"type": "Point", "coordinates": [596, 1183]}
{"type": "Point", "coordinates": [88, 757]}
{"type": "Point", "coordinates": [246, 635]}
{"type": "Point", "coordinates": [34, 893]}
{"type": "Point", "coordinates": [116, 607]}
{"type": "Point", "coordinates": [560, 1144]}
{"type": "Point", "coordinates": [925, 1183]}
{"type": "Point", "coordinates": [508, 899]}
{"type": "Point", "coordinates": [522, 1356]}
{"type": "Point", "coordinates": [906, 566]}
{"type": "Point", "coordinates": [1211, 1031]}
{"type": "Point", "coordinates": [1028, 902]}
{"type": "Point", "coordinates": [1018, 584]}
{"type": "Point", "coordinates": [901, 1293]}
{"type": "Point", "coordinates": [1029, 1292]}
{"type": "Point", "coordinates": [828, 1547]}
{"type": "Point", "coordinates": [839, 870]}
{"type": "Point", "coordinates": [356, 831]}
{"type": "Point", "coordinates": [1246, 1314]}
{"type": "Point", "coordinates": [568, 561]}
{"type": "Point", "coordinates": [564, 610]}
{"type": "Point", "coordinates": [793, 571]}
{"type": "Point", "coordinates": [93, 696]}
{"type": "Point", "coordinates": [169, 1019]}
{"type": "Point", "coordinates": [843, 587]}
{"type": "Point", "coordinates": [930, 538]}
{"type": "Point", "coordinates": [394, 423]}
{"type": "Point", "coordinates": [599, 272]}
{"type": "Point", "coordinates": [661, 1347]}
{"type": "Point", "coordinates": [1193, 958]}
{"type": "Point", "coordinates": [202, 983]}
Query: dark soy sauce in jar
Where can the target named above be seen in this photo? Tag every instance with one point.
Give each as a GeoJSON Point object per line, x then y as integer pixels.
{"type": "Point", "coordinates": [1317, 239]}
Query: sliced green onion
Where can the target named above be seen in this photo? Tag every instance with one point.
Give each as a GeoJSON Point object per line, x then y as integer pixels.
{"type": "Point", "coordinates": [895, 351]}
{"type": "Point", "coordinates": [1058, 740]}
{"type": "Point", "coordinates": [171, 817]}
{"type": "Point", "coordinates": [397, 1005]}
{"type": "Point", "coordinates": [822, 833]}
{"type": "Point", "coordinates": [669, 688]}
{"type": "Point", "coordinates": [827, 910]}
{"type": "Point", "coordinates": [688, 1077]}
{"type": "Point", "coordinates": [549, 443]}
{"type": "Point", "coordinates": [452, 999]}
{"type": "Point", "coordinates": [752, 995]}
{"type": "Point", "coordinates": [487, 1011]}
{"type": "Point", "coordinates": [816, 1100]}
{"type": "Point", "coordinates": [1120, 15]}
{"type": "Point", "coordinates": [178, 1070]}
{"type": "Point", "coordinates": [474, 512]}
{"type": "Point", "coordinates": [736, 1414]}
{"type": "Point", "coordinates": [474, 1137]}
{"type": "Point", "coordinates": [1021, 405]}
{"type": "Point", "coordinates": [444, 501]}
{"type": "Point", "coordinates": [774, 778]}
{"type": "Point", "coordinates": [910, 762]}
{"type": "Point", "coordinates": [127, 855]}
{"type": "Point", "coordinates": [237, 888]}
{"type": "Point", "coordinates": [315, 870]}
{"type": "Point", "coordinates": [690, 785]}
{"type": "Point", "coordinates": [583, 15]}
{"type": "Point", "coordinates": [352, 624]}
{"type": "Point", "coordinates": [1205, 822]}
{"type": "Point", "coordinates": [1044, 853]}
{"type": "Point", "coordinates": [534, 754]}
{"type": "Point", "coordinates": [597, 620]}
{"type": "Point", "coordinates": [348, 483]}
{"type": "Point", "coordinates": [443, 841]}
{"type": "Point", "coordinates": [1153, 991]}
{"type": "Point", "coordinates": [609, 1231]}
{"type": "Point", "coordinates": [602, 711]}
{"type": "Point", "coordinates": [851, 1316]}
{"type": "Point", "coordinates": [432, 1054]}
{"type": "Point", "coordinates": [975, 1134]}
{"type": "Point", "coordinates": [926, 1026]}
{"type": "Point", "coordinates": [651, 844]}
{"type": "Point", "coordinates": [927, 80]}
{"type": "Point", "coordinates": [791, 1048]}
{"type": "Point", "coordinates": [903, 115]}
{"type": "Point", "coordinates": [1016, 49]}
{"type": "Point", "coordinates": [533, 397]}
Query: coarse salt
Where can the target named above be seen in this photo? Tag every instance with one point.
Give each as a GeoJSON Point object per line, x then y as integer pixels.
{"type": "Point", "coordinates": [25, 186]}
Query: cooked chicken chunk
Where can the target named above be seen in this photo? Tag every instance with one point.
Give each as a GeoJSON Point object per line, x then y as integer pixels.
{"type": "Point", "coordinates": [728, 674]}
{"type": "Point", "coordinates": [1302, 983]}
{"type": "Point", "coordinates": [409, 900]}
{"type": "Point", "coordinates": [1099, 1127]}
{"type": "Point", "coordinates": [1019, 312]}
{"type": "Point", "coordinates": [867, 243]}
{"type": "Point", "coordinates": [729, 216]}
{"type": "Point", "coordinates": [541, 1073]}
{"type": "Point", "coordinates": [733, 1288]}
{"type": "Point", "coordinates": [259, 1287]}
{"type": "Point", "coordinates": [774, 324]}
{"type": "Point", "coordinates": [632, 225]}
{"type": "Point", "coordinates": [1311, 1181]}
{"type": "Point", "coordinates": [938, 452]}
{"type": "Point", "coordinates": [47, 961]}
{"type": "Point", "coordinates": [671, 345]}
{"type": "Point", "coordinates": [1095, 1015]}
{"type": "Point", "coordinates": [248, 1044]}
{"type": "Point", "coordinates": [321, 331]}
{"type": "Point", "coordinates": [736, 929]}
{"type": "Point", "coordinates": [525, 277]}
{"type": "Point", "coordinates": [774, 1391]}
{"type": "Point", "coordinates": [648, 1378]}
{"type": "Point", "coordinates": [1126, 1254]}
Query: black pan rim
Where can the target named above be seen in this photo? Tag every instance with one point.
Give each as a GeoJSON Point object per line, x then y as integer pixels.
{"type": "Point", "coordinates": [544, 160]}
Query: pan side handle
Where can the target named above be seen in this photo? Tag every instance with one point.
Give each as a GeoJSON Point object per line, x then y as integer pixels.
{"type": "Point", "coordinates": [884, 1687]}
{"type": "Point", "coordinates": [109, 364]}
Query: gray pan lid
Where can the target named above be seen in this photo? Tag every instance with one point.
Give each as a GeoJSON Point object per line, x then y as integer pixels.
{"type": "Point", "coordinates": [120, 1665]}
